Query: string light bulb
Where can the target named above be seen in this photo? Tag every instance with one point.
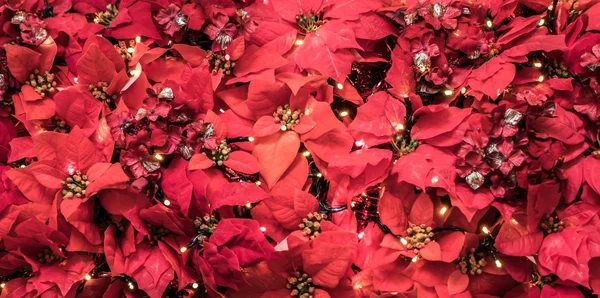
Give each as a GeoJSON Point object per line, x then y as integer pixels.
{"type": "Point", "coordinates": [195, 285]}
{"type": "Point", "coordinates": [485, 230]}
{"type": "Point", "coordinates": [443, 210]}
{"type": "Point", "coordinates": [299, 42]}
{"type": "Point", "coordinates": [166, 202]}
{"type": "Point", "coordinates": [2, 285]}
{"type": "Point", "coordinates": [498, 263]}
{"type": "Point", "coordinates": [158, 157]}
{"type": "Point", "coordinates": [399, 127]}
{"type": "Point", "coordinates": [250, 139]}
{"type": "Point", "coordinates": [489, 23]}
{"type": "Point", "coordinates": [131, 286]}
{"type": "Point", "coordinates": [130, 50]}
{"type": "Point", "coordinates": [306, 153]}
{"type": "Point", "coordinates": [448, 92]}
{"type": "Point", "coordinates": [88, 277]}
{"type": "Point", "coordinates": [76, 80]}
{"type": "Point", "coordinates": [283, 128]}
{"type": "Point", "coordinates": [344, 113]}
{"type": "Point", "coordinates": [183, 249]}
{"type": "Point", "coordinates": [537, 64]}
{"type": "Point", "coordinates": [319, 175]}
{"type": "Point", "coordinates": [340, 86]}
{"type": "Point", "coordinates": [262, 229]}
{"type": "Point", "coordinates": [258, 183]}
{"type": "Point", "coordinates": [361, 235]}
{"type": "Point", "coordinates": [138, 39]}
{"type": "Point", "coordinates": [248, 205]}
{"type": "Point", "coordinates": [541, 79]}
{"type": "Point", "coordinates": [542, 22]}
{"type": "Point", "coordinates": [403, 241]}
{"type": "Point", "coordinates": [550, 7]}
{"type": "Point", "coordinates": [514, 221]}
{"type": "Point", "coordinates": [415, 259]}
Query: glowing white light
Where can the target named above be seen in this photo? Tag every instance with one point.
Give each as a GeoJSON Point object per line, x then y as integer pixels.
{"type": "Point", "coordinates": [195, 285]}
{"type": "Point", "coordinates": [221, 110]}
{"type": "Point", "coordinates": [158, 157]}
{"type": "Point", "coordinates": [248, 205]}
{"type": "Point", "coordinates": [76, 80]}
{"type": "Point", "coordinates": [130, 50]}
{"type": "Point", "coordinates": [138, 39]}
{"type": "Point", "coordinates": [344, 113]}
{"type": "Point", "coordinates": [319, 175]}
{"type": "Point", "coordinates": [399, 127]}
{"type": "Point", "coordinates": [88, 277]}
{"type": "Point", "coordinates": [550, 7]}
{"type": "Point", "coordinates": [443, 210]}
{"type": "Point", "coordinates": [183, 249]}
{"type": "Point", "coordinates": [498, 264]}
{"type": "Point", "coordinates": [71, 170]}
{"type": "Point", "coordinates": [2, 285]}
{"type": "Point", "coordinates": [448, 92]}
{"type": "Point", "coordinates": [485, 230]}
{"type": "Point", "coordinates": [22, 166]}
{"type": "Point", "coordinates": [131, 286]}
{"type": "Point", "coordinates": [167, 202]}
{"type": "Point", "coordinates": [415, 259]}
{"type": "Point", "coordinates": [306, 153]}
{"type": "Point", "coordinates": [537, 64]}
{"type": "Point", "coordinates": [435, 179]}
{"type": "Point", "coordinates": [340, 86]}
{"type": "Point", "coordinates": [258, 183]}
{"type": "Point", "coordinates": [489, 23]}
{"type": "Point", "coordinates": [250, 139]}
{"type": "Point", "coordinates": [359, 143]}
{"type": "Point", "coordinates": [463, 90]}
{"type": "Point", "coordinates": [403, 241]}
{"type": "Point", "coordinates": [361, 235]}
{"type": "Point", "coordinates": [541, 79]}
{"type": "Point", "coordinates": [263, 229]}
{"type": "Point", "coordinates": [283, 127]}
{"type": "Point", "coordinates": [514, 221]}
{"type": "Point", "coordinates": [542, 22]}
{"type": "Point", "coordinates": [299, 42]}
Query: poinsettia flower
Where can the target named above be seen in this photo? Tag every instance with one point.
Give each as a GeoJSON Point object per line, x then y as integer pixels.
{"type": "Point", "coordinates": [419, 239]}
{"type": "Point", "coordinates": [33, 69]}
{"type": "Point", "coordinates": [547, 152]}
{"type": "Point", "coordinates": [279, 134]}
{"type": "Point", "coordinates": [317, 266]}
{"type": "Point", "coordinates": [284, 210]}
{"type": "Point", "coordinates": [101, 71]}
{"type": "Point", "coordinates": [68, 168]}
{"type": "Point", "coordinates": [33, 30]}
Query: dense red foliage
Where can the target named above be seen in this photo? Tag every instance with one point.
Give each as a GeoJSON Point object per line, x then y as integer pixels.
{"type": "Point", "coordinates": [299, 148]}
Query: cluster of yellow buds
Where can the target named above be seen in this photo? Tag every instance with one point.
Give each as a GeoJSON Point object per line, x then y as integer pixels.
{"type": "Point", "coordinates": [418, 237]}
{"type": "Point", "coordinates": [47, 256]}
{"type": "Point", "coordinates": [75, 186]}
{"type": "Point", "coordinates": [42, 83]}
{"type": "Point", "coordinates": [106, 17]}
{"type": "Point", "coordinates": [205, 225]}
{"type": "Point", "coordinates": [286, 117]}
{"type": "Point", "coordinates": [301, 285]}
{"type": "Point", "coordinates": [99, 91]}
{"type": "Point", "coordinates": [219, 61]}
{"type": "Point", "coordinates": [552, 224]}
{"type": "Point", "coordinates": [126, 49]}
{"type": "Point", "coordinates": [60, 125]}
{"type": "Point", "coordinates": [310, 22]}
{"type": "Point", "coordinates": [219, 154]}
{"type": "Point", "coordinates": [311, 224]}
{"type": "Point", "coordinates": [471, 263]}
